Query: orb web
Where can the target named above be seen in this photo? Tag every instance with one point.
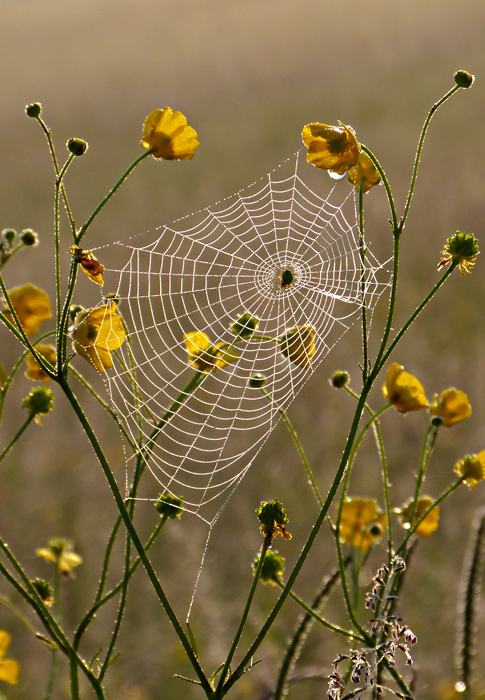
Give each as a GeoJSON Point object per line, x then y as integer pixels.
{"type": "Point", "coordinates": [279, 251]}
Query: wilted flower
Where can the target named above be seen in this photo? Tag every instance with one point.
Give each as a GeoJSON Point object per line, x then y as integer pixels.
{"type": "Point", "coordinates": [169, 133]}
{"type": "Point", "coordinates": [205, 356]}
{"type": "Point", "coordinates": [96, 332]}
{"type": "Point", "coordinates": [298, 345]}
{"type": "Point", "coordinates": [452, 405]}
{"type": "Point", "coordinates": [362, 523]}
{"type": "Point", "coordinates": [34, 370]}
{"type": "Point", "coordinates": [472, 468]}
{"type": "Point", "coordinates": [61, 553]}
{"type": "Point", "coordinates": [90, 265]}
{"type": "Point", "coordinates": [333, 148]}
{"type": "Point", "coordinates": [364, 170]}
{"type": "Point", "coordinates": [273, 567]}
{"type": "Point", "coordinates": [430, 522]}
{"type": "Point", "coordinates": [31, 305]}
{"type": "Point", "coordinates": [9, 668]}
{"type": "Point", "coordinates": [461, 249]}
{"type": "Point", "coordinates": [273, 518]}
{"type": "Point", "coordinates": [405, 392]}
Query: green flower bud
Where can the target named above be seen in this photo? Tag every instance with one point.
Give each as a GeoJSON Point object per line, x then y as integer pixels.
{"type": "Point", "coordinates": [77, 147]}
{"type": "Point", "coordinates": [33, 110]}
{"type": "Point", "coordinates": [461, 249]}
{"type": "Point", "coordinates": [29, 237]}
{"type": "Point", "coordinates": [272, 513]}
{"type": "Point", "coordinates": [257, 380]}
{"type": "Point", "coordinates": [339, 379]}
{"type": "Point", "coordinates": [245, 325]}
{"type": "Point", "coordinates": [39, 401]}
{"type": "Point", "coordinates": [169, 506]}
{"type": "Point", "coordinates": [9, 234]}
{"type": "Point", "coordinates": [463, 78]}
{"type": "Point", "coordinates": [273, 567]}
{"type": "Point", "coordinates": [44, 590]}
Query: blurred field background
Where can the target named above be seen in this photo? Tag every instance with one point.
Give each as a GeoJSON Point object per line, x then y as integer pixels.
{"type": "Point", "coordinates": [247, 75]}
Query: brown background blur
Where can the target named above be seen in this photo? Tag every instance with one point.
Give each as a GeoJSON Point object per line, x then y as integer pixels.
{"type": "Point", "coordinates": [247, 75]}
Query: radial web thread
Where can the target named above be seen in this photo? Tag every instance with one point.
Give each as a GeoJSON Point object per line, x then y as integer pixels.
{"type": "Point", "coordinates": [201, 274]}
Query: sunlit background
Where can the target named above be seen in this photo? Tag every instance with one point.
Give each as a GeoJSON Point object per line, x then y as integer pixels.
{"type": "Point", "coordinates": [247, 75]}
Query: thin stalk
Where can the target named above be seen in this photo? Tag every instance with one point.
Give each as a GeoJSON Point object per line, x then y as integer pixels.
{"type": "Point", "coordinates": [426, 451]}
{"type": "Point", "coordinates": [113, 190]}
{"type": "Point", "coordinates": [417, 158]}
{"type": "Point", "coordinates": [387, 187]}
{"type": "Point", "coordinates": [298, 444]}
{"type": "Point", "coordinates": [134, 536]}
{"type": "Point", "coordinates": [19, 432]}
{"type": "Point", "coordinates": [57, 234]}
{"type": "Point", "coordinates": [220, 686]}
{"type": "Point", "coordinates": [55, 651]}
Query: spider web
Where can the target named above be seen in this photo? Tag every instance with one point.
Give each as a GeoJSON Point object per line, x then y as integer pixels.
{"type": "Point", "coordinates": [201, 274]}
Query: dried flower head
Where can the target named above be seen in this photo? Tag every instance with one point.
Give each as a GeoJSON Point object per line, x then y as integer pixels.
{"type": "Point", "coordinates": [89, 264]}
{"type": "Point", "coordinates": [460, 250]}
{"type": "Point", "coordinates": [169, 134]}
{"type": "Point", "coordinates": [452, 405]}
{"type": "Point", "coordinates": [472, 469]}
{"type": "Point", "coordinates": [332, 148]}
{"type": "Point", "coordinates": [404, 391]}
{"type": "Point", "coordinates": [273, 518]}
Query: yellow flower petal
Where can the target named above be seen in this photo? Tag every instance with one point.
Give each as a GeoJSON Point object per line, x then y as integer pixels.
{"type": "Point", "coordinates": [333, 148]}
{"type": "Point", "coordinates": [364, 170]}
{"type": "Point", "coordinates": [205, 356]}
{"type": "Point", "coordinates": [9, 671]}
{"type": "Point", "coordinates": [34, 371]}
{"type": "Point", "coordinates": [429, 524]}
{"type": "Point", "coordinates": [362, 523]}
{"type": "Point", "coordinates": [32, 306]}
{"type": "Point", "coordinates": [298, 345]}
{"type": "Point", "coordinates": [5, 639]}
{"type": "Point", "coordinates": [96, 332]}
{"type": "Point", "coordinates": [169, 133]}
{"type": "Point", "coordinates": [452, 405]}
{"type": "Point", "coordinates": [404, 391]}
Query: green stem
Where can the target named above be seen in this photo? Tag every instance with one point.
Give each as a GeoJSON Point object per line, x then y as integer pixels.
{"type": "Point", "coordinates": [134, 535]}
{"type": "Point", "coordinates": [417, 159]}
{"type": "Point", "coordinates": [298, 444]}
{"type": "Point", "coordinates": [385, 182]}
{"type": "Point", "coordinates": [57, 257]}
{"type": "Point", "coordinates": [55, 651]}
{"type": "Point", "coordinates": [220, 686]}
{"type": "Point", "coordinates": [113, 190]}
{"type": "Point", "coordinates": [12, 442]}
{"type": "Point", "coordinates": [426, 451]}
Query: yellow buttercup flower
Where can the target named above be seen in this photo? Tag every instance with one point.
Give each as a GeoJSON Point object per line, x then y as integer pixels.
{"type": "Point", "coordinates": [90, 265]}
{"type": "Point", "coordinates": [472, 467]}
{"type": "Point", "coordinates": [430, 522]}
{"type": "Point", "coordinates": [9, 668]}
{"type": "Point", "coordinates": [61, 553]}
{"type": "Point", "coordinates": [34, 370]}
{"type": "Point", "coordinates": [31, 305]}
{"type": "Point", "coordinates": [333, 148]}
{"type": "Point", "coordinates": [170, 134]}
{"type": "Point", "coordinates": [96, 332]}
{"type": "Point", "coordinates": [405, 392]}
{"type": "Point", "coordinates": [298, 345]}
{"type": "Point", "coordinates": [452, 405]}
{"type": "Point", "coordinates": [362, 523]}
{"type": "Point", "coordinates": [205, 356]}
{"type": "Point", "coordinates": [364, 170]}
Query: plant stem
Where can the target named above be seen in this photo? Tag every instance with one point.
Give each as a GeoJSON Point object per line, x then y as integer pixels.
{"type": "Point", "coordinates": [12, 442]}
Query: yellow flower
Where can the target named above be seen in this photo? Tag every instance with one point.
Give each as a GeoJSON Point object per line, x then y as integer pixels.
{"type": "Point", "coordinates": [34, 370]}
{"type": "Point", "coordinates": [60, 552]}
{"type": "Point", "coordinates": [205, 356]}
{"type": "Point", "coordinates": [429, 524]}
{"type": "Point", "coordinates": [404, 391]}
{"type": "Point", "coordinates": [332, 148]}
{"type": "Point", "coordinates": [32, 306]}
{"type": "Point", "coordinates": [362, 523]}
{"type": "Point", "coordinates": [9, 668]}
{"type": "Point", "coordinates": [169, 133]}
{"type": "Point", "coordinates": [298, 345]}
{"type": "Point", "coordinates": [90, 265]}
{"type": "Point", "coordinates": [452, 405]}
{"type": "Point", "coordinates": [96, 332]}
{"type": "Point", "coordinates": [472, 467]}
{"type": "Point", "coordinates": [364, 170]}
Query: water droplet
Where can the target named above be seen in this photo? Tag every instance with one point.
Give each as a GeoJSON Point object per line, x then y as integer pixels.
{"type": "Point", "coordinates": [460, 687]}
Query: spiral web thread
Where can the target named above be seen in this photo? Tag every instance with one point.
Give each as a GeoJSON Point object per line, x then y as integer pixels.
{"type": "Point", "coordinates": [203, 273]}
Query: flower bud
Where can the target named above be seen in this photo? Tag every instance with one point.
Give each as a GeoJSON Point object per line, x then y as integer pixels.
{"type": "Point", "coordinates": [33, 110]}
{"type": "Point", "coordinates": [9, 234]}
{"type": "Point", "coordinates": [463, 78]}
{"type": "Point", "coordinates": [29, 237]}
{"type": "Point", "coordinates": [39, 401]}
{"type": "Point", "coordinates": [273, 567]}
{"type": "Point", "coordinates": [339, 379]}
{"type": "Point", "coordinates": [77, 147]}
{"type": "Point", "coordinates": [44, 590]}
{"type": "Point", "coordinates": [257, 380]}
{"type": "Point", "coordinates": [169, 506]}
{"type": "Point", "coordinates": [273, 518]}
{"type": "Point", "coordinates": [245, 326]}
